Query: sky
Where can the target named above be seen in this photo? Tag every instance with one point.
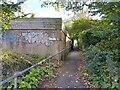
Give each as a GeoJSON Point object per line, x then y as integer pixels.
{"type": "Point", "coordinates": [34, 6]}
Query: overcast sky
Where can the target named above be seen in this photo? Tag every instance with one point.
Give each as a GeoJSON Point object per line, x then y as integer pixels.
{"type": "Point", "coordinates": [34, 6]}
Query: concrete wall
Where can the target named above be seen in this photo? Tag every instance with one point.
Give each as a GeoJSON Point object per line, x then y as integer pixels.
{"type": "Point", "coordinates": [35, 36]}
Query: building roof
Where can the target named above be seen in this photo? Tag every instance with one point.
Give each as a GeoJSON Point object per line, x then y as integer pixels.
{"type": "Point", "coordinates": [37, 23]}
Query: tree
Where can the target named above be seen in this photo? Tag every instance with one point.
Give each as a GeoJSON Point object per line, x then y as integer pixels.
{"type": "Point", "coordinates": [9, 11]}
{"type": "Point", "coordinates": [66, 4]}
{"type": "Point", "coordinates": [76, 26]}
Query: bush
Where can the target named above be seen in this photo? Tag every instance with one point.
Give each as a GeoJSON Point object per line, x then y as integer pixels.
{"type": "Point", "coordinates": [37, 58]}
{"type": "Point", "coordinates": [103, 66]}
{"type": "Point", "coordinates": [102, 56]}
{"type": "Point", "coordinates": [31, 79]}
{"type": "Point", "coordinates": [13, 62]}
{"type": "Point", "coordinates": [88, 38]}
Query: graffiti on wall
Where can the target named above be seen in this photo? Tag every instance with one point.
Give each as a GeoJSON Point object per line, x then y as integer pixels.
{"type": "Point", "coordinates": [37, 37]}
{"type": "Point", "coordinates": [9, 36]}
{"type": "Point", "coordinates": [29, 37]}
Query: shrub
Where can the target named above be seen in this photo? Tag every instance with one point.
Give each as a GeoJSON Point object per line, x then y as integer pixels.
{"type": "Point", "coordinates": [31, 79]}
{"type": "Point", "coordinates": [103, 66]}
{"type": "Point", "coordinates": [13, 62]}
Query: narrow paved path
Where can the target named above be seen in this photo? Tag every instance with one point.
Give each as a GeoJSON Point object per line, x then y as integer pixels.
{"type": "Point", "coordinates": [68, 78]}
{"type": "Point", "coordinates": [68, 75]}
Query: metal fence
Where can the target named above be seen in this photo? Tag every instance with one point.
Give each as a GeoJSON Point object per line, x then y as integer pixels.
{"type": "Point", "coordinates": [60, 55]}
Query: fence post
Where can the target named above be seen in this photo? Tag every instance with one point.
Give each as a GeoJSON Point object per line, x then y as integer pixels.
{"type": "Point", "coordinates": [15, 82]}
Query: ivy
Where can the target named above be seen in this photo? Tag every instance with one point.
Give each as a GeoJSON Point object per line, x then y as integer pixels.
{"type": "Point", "coordinates": [31, 79]}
